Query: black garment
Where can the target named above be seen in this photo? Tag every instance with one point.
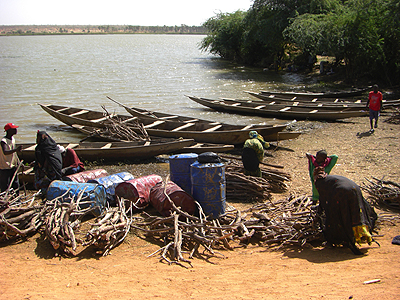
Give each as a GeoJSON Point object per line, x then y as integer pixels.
{"type": "Point", "coordinates": [344, 206]}
{"type": "Point", "coordinates": [5, 179]}
{"type": "Point", "coordinates": [250, 159]}
{"type": "Point", "coordinates": [48, 155]}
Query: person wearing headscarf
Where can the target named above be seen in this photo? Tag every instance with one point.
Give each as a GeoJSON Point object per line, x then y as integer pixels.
{"type": "Point", "coordinates": [253, 154]}
{"type": "Point", "coordinates": [348, 217]}
{"type": "Point", "coordinates": [71, 163]}
{"type": "Point", "coordinates": [321, 159]}
{"type": "Point", "coordinates": [48, 162]}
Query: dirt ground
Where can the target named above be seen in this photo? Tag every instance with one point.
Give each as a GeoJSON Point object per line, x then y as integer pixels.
{"type": "Point", "coordinates": [30, 270]}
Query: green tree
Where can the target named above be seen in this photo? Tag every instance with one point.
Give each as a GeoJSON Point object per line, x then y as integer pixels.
{"type": "Point", "coordinates": [225, 33]}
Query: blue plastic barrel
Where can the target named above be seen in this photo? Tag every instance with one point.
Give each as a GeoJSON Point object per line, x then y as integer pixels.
{"type": "Point", "coordinates": [179, 169]}
{"type": "Point", "coordinates": [110, 182]}
{"type": "Point", "coordinates": [95, 194]}
{"type": "Point", "coordinates": [209, 187]}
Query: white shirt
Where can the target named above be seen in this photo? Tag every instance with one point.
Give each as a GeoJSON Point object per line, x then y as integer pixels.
{"type": "Point", "coordinates": [11, 160]}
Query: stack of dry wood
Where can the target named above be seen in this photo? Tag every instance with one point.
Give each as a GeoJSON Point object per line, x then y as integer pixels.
{"type": "Point", "coordinates": [383, 192]}
{"type": "Point", "coordinates": [20, 216]}
{"type": "Point", "coordinates": [117, 130]}
{"type": "Point", "coordinates": [109, 229]}
{"type": "Point", "coordinates": [64, 219]}
{"type": "Point", "coordinates": [289, 221]}
{"type": "Point", "coordinates": [240, 187]}
{"type": "Point", "coordinates": [395, 117]}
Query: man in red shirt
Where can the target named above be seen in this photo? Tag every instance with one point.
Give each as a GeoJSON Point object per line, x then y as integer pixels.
{"type": "Point", "coordinates": [374, 104]}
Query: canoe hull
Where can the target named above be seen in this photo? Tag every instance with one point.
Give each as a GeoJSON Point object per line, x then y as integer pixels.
{"type": "Point", "coordinates": [288, 112]}
{"type": "Point", "coordinates": [204, 133]}
{"type": "Point", "coordinates": [116, 151]}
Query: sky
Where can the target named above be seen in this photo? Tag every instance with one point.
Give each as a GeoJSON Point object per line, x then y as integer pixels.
{"type": "Point", "coordinates": [115, 12]}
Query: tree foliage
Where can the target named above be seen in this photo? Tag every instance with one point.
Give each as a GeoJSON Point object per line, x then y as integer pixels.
{"type": "Point", "coordinates": [363, 35]}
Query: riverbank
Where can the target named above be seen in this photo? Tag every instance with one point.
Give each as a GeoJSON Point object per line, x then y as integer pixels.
{"type": "Point", "coordinates": [29, 269]}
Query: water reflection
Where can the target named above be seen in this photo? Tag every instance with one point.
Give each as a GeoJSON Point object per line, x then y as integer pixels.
{"type": "Point", "coordinates": [154, 72]}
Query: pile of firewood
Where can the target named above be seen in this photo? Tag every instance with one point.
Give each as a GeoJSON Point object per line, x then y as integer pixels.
{"type": "Point", "coordinates": [395, 117]}
{"type": "Point", "coordinates": [117, 130]}
{"type": "Point", "coordinates": [240, 187]}
{"type": "Point", "coordinates": [383, 192]}
{"type": "Point", "coordinates": [109, 229]}
{"type": "Point", "coordinates": [19, 215]}
{"type": "Point", "coordinates": [289, 221]}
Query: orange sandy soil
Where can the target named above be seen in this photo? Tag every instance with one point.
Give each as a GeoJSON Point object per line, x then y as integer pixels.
{"type": "Point", "coordinates": [30, 270]}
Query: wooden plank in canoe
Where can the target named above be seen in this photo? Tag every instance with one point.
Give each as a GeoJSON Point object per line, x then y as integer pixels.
{"type": "Point", "coordinates": [107, 146]}
{"type": "Point", "coordinates": [31, 147]}
{"type": "Point", "coordinates": [71, 146]}
{"type": "Point", "coordinates": [183, 126]}
{"type": "Point", "coordinates": [284, 109]}
{"type": "Point", "coordinates": [236, 104]}
{"type": "Point", "coordinates": [313, 111]}
{"type": "Point", "coordinates": [83, 111]}
{"type": "Point", "coordinates": [212, 128]}
{"type": "Point", "coordinates": [156, 123]}
{"type": "Point", "coordinates": [259, 107]}
{"type": "Point", "coordinates": [168, 117]}
{"type": "Point", "coordinates": [247, 127]}
{"type": "Point", "coordinates": [102, 119]}
{"type": "Point", "coordinates": [147, 143]}
{"type": "Point", "coordinates": [128, 120]}
{"type": "Point", "coordinates": [62, 109]}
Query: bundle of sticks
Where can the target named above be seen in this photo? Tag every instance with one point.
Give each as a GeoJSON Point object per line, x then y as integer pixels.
{"type": "Point", "coordinates": [110, 229]}
{"type": "Point", "coordinates": [395, 117]}
{"type": "Point", "coordinates": [253, 189]}
{"type": "Point", "coordinates": [20, 216]}
{"type": "Point", "coordinates": [116, 130]}
{"type": "Point", "coordinates": [289, 221]}
{"type": "Point", "coordinates": [383, 192]}
{"type": "Point", "coordinates": [240, 187]}
{"type": "Point", "coordinates": [64, 219]}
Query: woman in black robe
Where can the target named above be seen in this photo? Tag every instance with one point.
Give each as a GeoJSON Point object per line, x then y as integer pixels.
{"type": "Point", "coordinates": [349, 218]}
{"type": "Point", "coordinates": [48, 164]}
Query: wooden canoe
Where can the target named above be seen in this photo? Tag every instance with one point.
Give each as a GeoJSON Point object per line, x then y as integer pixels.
{"type": "Point", "coordinates": [200, 132]}
{"type": "Point", "coordinates": [274, 137]}
{"type": "Point", "coordinates": [322, 106]}
{"type": "Point", "coordinates": [311, 95]}
{"type": "Point", "coordinates": [116, 151]}
{"type": "Point", "coordinates": [288, 112]}
{"type": "Point", "coordinates": [148, 114]}
{"type": "Point", "coordinates": [329, 103]}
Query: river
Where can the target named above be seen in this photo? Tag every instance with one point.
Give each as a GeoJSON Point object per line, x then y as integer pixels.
{"type": "Point", "coordinates": [147, 71]}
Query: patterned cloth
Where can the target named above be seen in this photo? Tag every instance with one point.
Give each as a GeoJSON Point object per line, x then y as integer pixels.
{"type": "Point", "coordinates": [328, 166]}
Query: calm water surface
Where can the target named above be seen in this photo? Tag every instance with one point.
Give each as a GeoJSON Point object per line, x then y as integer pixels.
{"type": "Point", "coordinates": [148, 71]}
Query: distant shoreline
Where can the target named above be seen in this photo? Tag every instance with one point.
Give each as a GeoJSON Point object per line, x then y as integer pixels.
{"type": "Point", "coordinates": [18, 30]}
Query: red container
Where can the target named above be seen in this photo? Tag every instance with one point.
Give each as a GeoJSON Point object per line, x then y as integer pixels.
{"type": "Point", "coordinates": [179, 197]}
{"type": "Point", "coordinates": [137, 190]}
{"type": "Point", "coordinates": [85, 176]}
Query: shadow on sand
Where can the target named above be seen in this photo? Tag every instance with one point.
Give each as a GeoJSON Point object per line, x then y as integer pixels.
{"type": "Point", "coordinates": [364, 134]}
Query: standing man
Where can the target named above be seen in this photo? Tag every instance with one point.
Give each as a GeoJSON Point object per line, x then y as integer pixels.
{"type": "Point", "coordinates": [374, 104]}
{"type": "Point", "coordinates": [9, 158]}
{"type": "Point", "coordinates": [253, 154]}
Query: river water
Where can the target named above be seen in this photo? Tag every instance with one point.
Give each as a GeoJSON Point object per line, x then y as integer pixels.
{"type": "Point", "coordinates": [147, 71]}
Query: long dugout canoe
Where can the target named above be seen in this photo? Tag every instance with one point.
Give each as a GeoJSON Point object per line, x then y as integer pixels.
{"type": "Point", "coordinates": [200, 132]}
{"type": "Point", "coordinates": [116, 151]}
{"type": "Point", "coordinates": [287, 112]}
{"type": "Point", "coordinates": [329, 103]}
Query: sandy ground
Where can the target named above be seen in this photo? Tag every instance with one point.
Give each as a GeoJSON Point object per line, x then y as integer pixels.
{"type": "Point", "coordinates": [30, 270]}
